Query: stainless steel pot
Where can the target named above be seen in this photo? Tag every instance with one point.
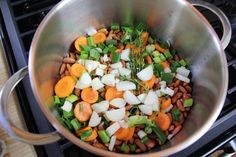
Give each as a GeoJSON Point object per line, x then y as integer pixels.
{"type": "Point", "coordinates": [174, 20]}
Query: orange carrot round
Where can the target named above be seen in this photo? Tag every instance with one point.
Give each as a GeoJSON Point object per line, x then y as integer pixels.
{"type": "Point", "coordinates": [165, 103]}
{"type": "Point", "coordinates": [159, 48]}
{"type": "Point", "coordinates": [150, 83]}
{"type": "Point", "coordinates": [77, 69]}
{"type": "Point", "coordinates": [165, 64]}
{"type": "Point", "coordinates": [112, 93]}
{"type": "Point", "coordinates": [89, 95]}
{"type": "Point", "coordinates": [130, 134]}
{"type": "Point", "coordinates": [125, 133]}
{"type": "Point", "coordinates": [80, 41]}
{"type": "Point", "coordinates": [65, 86]}
{"type": "Point", "coordinates": [144, 38]}
{"type": "Point", "coordinates": [99, 37]}
{"type": "Point", "coordinates": [163, 121]}
{"type": "Point", "coordinates": [83, 111]}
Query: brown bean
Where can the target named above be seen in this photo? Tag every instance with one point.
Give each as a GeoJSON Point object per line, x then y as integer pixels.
{"type": "Point", "coordinates": [99, 145]}
{"type": "Point", "coordinates": [135, 135]}
{"type": "Point", "coordinates": [176, 97]}
{"type": "Point", "coordinates": [140, 145]}
{"type": "Point", "coordinates": [188, 88]}
{"type": "Point", "coordinates": [116, 37]}
{"type": "Point", "coordinates": [128, 107]}
{"type": "Point", "coordinates": [152, 136]}
{"type": "Point", "coordinates": [180, 105]}
{"type": "Point", "coordinates": [177, 129]}
{"type": "Point", "coordinates": [62, 69]}
{"type": "Point", "coordinates": [118, 142]}
{"type": "Point", "coordinates": [131, 141]}
{"type": "Point", "coordinates": [177, 82]}
{"type": "Point", "coordinates": [185, 114]}
{"type": "Point", "coordinates": [171, 128]}
{"type": "Point", "coordinates": [186, 96]}
{"type": "Point", "coordinates": [141, 126]}
{"type": "Point", "coordinates": [185, 84]}
{"type": "Point", "coordinates": [72, 55]}
{"type": "Point", "coordinates": [176, 89]}
{"type": "Point", "coordinates": [101, 127]}
{"type": "Point", "coordinates": [138, 150]}
{"type": "Point", "coordinates": [176, 57]}
{"type": "Point", "coordinates": [150, 144]}
{"type": "Point", "coordinates": [69, 60]}
{"type": "Point", "coordinates": [77, 92]}
{"type": "Point", "coordinates": [182, 89]}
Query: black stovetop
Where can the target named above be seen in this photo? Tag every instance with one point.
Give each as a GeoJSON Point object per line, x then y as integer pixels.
{"type": "Point", "coordinates": [19, 20]}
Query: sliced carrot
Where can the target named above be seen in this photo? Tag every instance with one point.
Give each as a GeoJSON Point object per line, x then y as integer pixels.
{"type": "Point", "coordinates": [137, 50]}
{"type": "Point", "coordinates": [83, 111]}
{"type": "Point", "coordinates": [65, 86]}
{"type": "Point", "coordinates": [125, 133]}
{"type": "Point", "coordinates": [129, 46]}
{"type": "Point", "coordinates": [99, 38]}
{"type": "Point", "coordinates": [144, 38]}
{"type": "Point", "coordinates": [165, 103]}
{"type": "Point", "coordinates": [165, 64]}
{"type": "Point", "coordinates": [130, 134]}
{"type": "Point", "coordinates": [93, 136]}
{"type": "Point", "coordinates": [77, 69]}
{"type": "Point", "coordinates": [163, 121]}
{"type": "Point", "coordinates": [159, 48]}
{"type": "Point", "coordinates": [150, 83]}
{"type": "Point", "coordinates": [89, 95]}
{"type": "Point", "coordinates": [112, 93]}
{"type": "Point", "coordinates": [80, 41]}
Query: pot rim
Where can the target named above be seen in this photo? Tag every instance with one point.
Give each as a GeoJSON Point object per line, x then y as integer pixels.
{"type": "Point", "coordinates": [173, 149]}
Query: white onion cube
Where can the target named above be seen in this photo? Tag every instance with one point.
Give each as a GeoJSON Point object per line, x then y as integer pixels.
{"type": "Point", "coordinates": [113, 128]}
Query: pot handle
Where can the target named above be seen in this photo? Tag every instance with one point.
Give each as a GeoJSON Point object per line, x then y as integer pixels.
{"type": "Point", "coordinates": [9, 127]}
{"type": "Point", "coordinates": [227, 31]}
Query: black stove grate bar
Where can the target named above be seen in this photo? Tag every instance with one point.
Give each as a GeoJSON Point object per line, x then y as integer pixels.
{"type": "Point", "coordinates": [17, 2]}
{"type": "Point", "coordinates": [30, 32]}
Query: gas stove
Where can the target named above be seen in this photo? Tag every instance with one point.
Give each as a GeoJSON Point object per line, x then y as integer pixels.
{"type": "Point", "coordinates": [19, 20]}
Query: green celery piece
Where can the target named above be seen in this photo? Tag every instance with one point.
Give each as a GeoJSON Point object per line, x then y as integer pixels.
{"type": "Point", "coordinates": [182, 62]}
{"type": "Point", "coordinates": [167, 54]}
{"type": "Point", "coordinates": [126, 38]}
{"type": "Point", "coordinates": [105, 50]}
{"type": "Point", "coordinates": [174, 66]}
{"type": "Point", "coordinates": [158, 69]}
{"type": "Point", "coordinates": [157, 59]}
{"type": "Point", "coordinates": [144, 139]}
{"type": "Point", "coordinates": [167, 77]}
{"type": "Point", "coordinates": [141, 27]}
{"type": "Point", "coordinates": [103, 136]}
{"type": "Point", "coordinates": [136, 120]}
{"type": "Point", "coordinates": [150, 40]}
{"type": "Point", "coordinates": [124, 148]}
{"type": "Point", "coordinates": [150, 48]}
{"type": "Point", "coordinates": [72, 98]}
{"type": "Point", "coordinates": [111, 48]}
{"type": "Point", "coordinates": [111, 42]}
{"type": "Point", "coordinates": [76, 125]}
{"type": "Point", "coordinates": [90, 41]}
{"type": "Point", "coordinates": [67, 115]}
{"type": "Point", "coordinates": [83, 55]}
{"type": "Point", "coordinates": [127, 29]}
{"type": "Point", "coordinates": [188, 102]}
{"type": "Point", "coordinates": [156, 129]}
{"type": "Point", "coordinates": [67, 123]}
{"type": "Point", "coordinates": [144, 54]}
{"type": "Point", "coordinates": [148, 130]}
{"type": "Point", "coordinates": [85, 48]}
{"type": "Point", "coordinates": [101, 45]}
{"type": "Point", "coordinates": [164, 44]}
{"type": "Point", "coordinates": [132, 147]}
{"type": "Point", "coordinates": [155, 54]}
{"type": "Point", "coordinates": [115, 57]}
{"type": "Point", "coordinates": [115, 26]}
{"type": "Point", "coordinates": [176, 113]}
{"type": "Point", "coordinates": [85, 134]}
{"type": "Point", "coordinates": [162, 57]}
{"type": "Point", "coordinates": [94, 54]}
{"type": "Point", "coordinates": [56, 100]}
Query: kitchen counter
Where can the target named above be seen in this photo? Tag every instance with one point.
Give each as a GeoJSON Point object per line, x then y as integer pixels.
{"type": "Point", "coordinates": [13, 147]}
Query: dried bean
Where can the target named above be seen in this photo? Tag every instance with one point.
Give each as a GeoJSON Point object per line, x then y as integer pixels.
{"type": "Point", "coordinates": [138, 150]}
{"type": "Point", "coordinates": [152, 136]}
{"type": "Point", "coordinates": [186, 96]}
{"type": "Point", "coordinates": [63, 68]}
{"type": "Point", "coordinates": [176, 97]}
{"type": "Point", "coordinates": [150, 144]}
{"type": "Point", "coordinates": [140, 145]}
{"type": "Point", "coordinates": [128, 107]}
{"type": "Point", "coordinates": [185, 114]}
{"type": "Point", "coordinates": [72, 55]}
{"type": "Point", "coordinates": [171, 128]}
{"type": "Point", "coordinates": [69, 60]}
{"type": "Point", "coordinates": [135, 135]}
{"type": "Point", "coordinates": [101, 127]}
{"type": "Point", "coordinates": [182, 89]}
{"type": "Point", "coordinates": [176, 58]}
{"type": "Point", "coordinates": [180, 105]}
{"type": "Point", "coordinates": [77, 92]}
{"type": "Point", "coordinates": [188, 88]}
{"type": "Point", "coordinates": [177, 129]}
{"type": "Point", "coordinates": [185, 84]}
{"type": "Point", "coordinates": [131, 141]}
{"type": "Point", "coordinates": [176, 89]}
{"type": "Point", "coordinates": [177, 82]}
{"type": "Point", "coordinates": [118, 142]}
{"type": "Point", "coordinates": [148, 60]}
{"type": "Point", "coordinates": [99, 145]}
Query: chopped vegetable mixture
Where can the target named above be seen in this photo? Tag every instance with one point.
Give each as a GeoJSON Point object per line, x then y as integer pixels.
{"type": "Point", "coordinates": [122, 90]}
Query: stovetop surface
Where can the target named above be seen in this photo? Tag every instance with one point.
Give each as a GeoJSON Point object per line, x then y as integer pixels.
{"type": "Point", "coordinates": [19, 20]}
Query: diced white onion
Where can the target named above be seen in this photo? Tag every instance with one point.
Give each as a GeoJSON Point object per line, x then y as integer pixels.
{"type": "Point", "coordinates": [116, 114]}
{"type": "Point", "coordinates": [84, 81]}
{"type": "Point", "coordinates": [150, 48]}
{"type": "Point", "coordinates": [90, 31]}
{"type": "Point", "coordinates": [159, 93]}
{"type": "Point", "coordinates": [97, 84]}
{"type": "Point", "coordinates": [167, 91]}
{"type": "Point", "coordinates": [141, 134]}
{"type": "Point", "coordinates": [101, 106]}
{"type": "Point", "coordinates": [102, 66]}
{"type": "Point", "coordinates": [112, 143]}
{"type": "Point", "coordinates": [118, 102]}
{"type": "Point", "coordinates": [99, 72]}
{"type": "Point", "coordinates": [142, 97]}
{"type": "Point", "coordinates": [105, 58]}
{"type": "Point", "coordinates": [163, 84]}
{"type": "Point", "coordinates": [151, 98]}
{"type": "Point", "coordinates": [109, 79]}
{"type": "Point", "coordinates": [182, 78]}
{"type": "Point", "coordinates": [125, 85]}
{"type": "Point", "coordinates": [183, 71]}
{"type": "Point", "coordinates": [81, 61]}
{"type": "Point", "coordinates": [91, 65]}
{"type": "Point", "coordinates": [67, 106]}
{"type": "Point", "coordinates": [123, 124]}
{"type": "Point", "coordinates": [146, 73]}
{"type": "Point", "coordinates": [127, 65]}
{"type": "Point", "coordinates": [117, 80]}
{"type": "Point", "coordinates": [115, 72]}
{"type": "Point", "coordinates": [156, 106]}
{"type": "Point", "coordinates": [94, 119]}
{"type": "Point", "coordinates": [146, 109]}
{"type": "Point", "coordinates": [99, 49]}
{"type": "Point", "coordinates": [125, 54]}
{"type": "Point", "coordinates": [130, 98]}
{"type": "Point", "coordinates": [113, 128]}
{"type": "Point", "coordinates": [116, 65]}
{"type": "Point", "coordinates": [124, 71]}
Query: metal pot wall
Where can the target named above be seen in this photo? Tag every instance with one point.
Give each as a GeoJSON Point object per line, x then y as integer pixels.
{"type": "Point", "coordinates": [174, 20]}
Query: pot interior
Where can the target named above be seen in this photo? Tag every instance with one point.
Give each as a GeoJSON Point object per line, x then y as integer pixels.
{"type": "Point", "coordinates": [173, 20]}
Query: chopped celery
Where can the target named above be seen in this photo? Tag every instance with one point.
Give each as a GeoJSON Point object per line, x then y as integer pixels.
{"type": "Point", "coordinates": [94, 54]}
{"type": "Point", "coordinates": [111, 42]}
{"type": "Point", "coordinates": [162, 57]}
{"type": "Point", "coordinates": [174, 66]}
{"type": "Point", "coordinates": [156, 129]}
{"type": "Point", "coordinates": [148, 130]}
{"type": "Point", "coordinates": [150, 48]}
{"type": "Point", "coordinates": [90, 41]}
{"type": "Point", "coordinates": [115, 57]}
{"type": "Point", "coordinates": [150, 40]}
{"type": "Point", "coordinates": [136, 120]}
{"type": "Point", "coordinates": [144, 54]}
{"type": "Point", "coordinates": [76, 125]}
{"type": "Point", "coordinates": [86, 134]}
{"type": "Point", "coordinates": [167, 77]}
{"type": "Point", "coordinates": [72, 98]}
{"type": "Point", "coordinates": [67, 123]}
{"type": "Point", "coordinates": [105, 50]}
{"type": "Point", "coordinates": [157, 59]}
{"type": "Point", "coordinates": [141, 27]}
{"type": "Point", "coordinates": [83, 54]}
{"type": "Point", "coordinates": [144, 139]}
{"type": "Point", "coordinates": [111, 48]}
{"type": "Point", "coordinates": [85, 48]}
{"type": "Point", "coordinates": [103, 136]}
{"type": "Point", "coordinates": [126, 38]}
{"type": "Point", "coordinates": [164, 44]}
{"type": "Point", "coordinates": [132, 147]}
{"type": "Point", "coordinates": [167, 54]}
{"type": "Point", "coordinates": [115, 26]}
{"type": "Point", "coordinates": [127, 29]}
{"type": "Point", "coordinates": [56, 100]}
{"type": "Point", "coordinates": [182, 62]}
{"type": "Point", "coordinates": [188, 102]}
{"type": "Point", "coordinates": [155, 53]}
{"type": "Point", "coordinates": [158, 69]}
{"type": "Point", "coordinates": [101, 45]}
{"type": "Point", "coordinates": [124, 148]}
{"type": "Point", "coordinates": [67, 115]}
{"type": "Point", "coordinates": [176, 113]}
